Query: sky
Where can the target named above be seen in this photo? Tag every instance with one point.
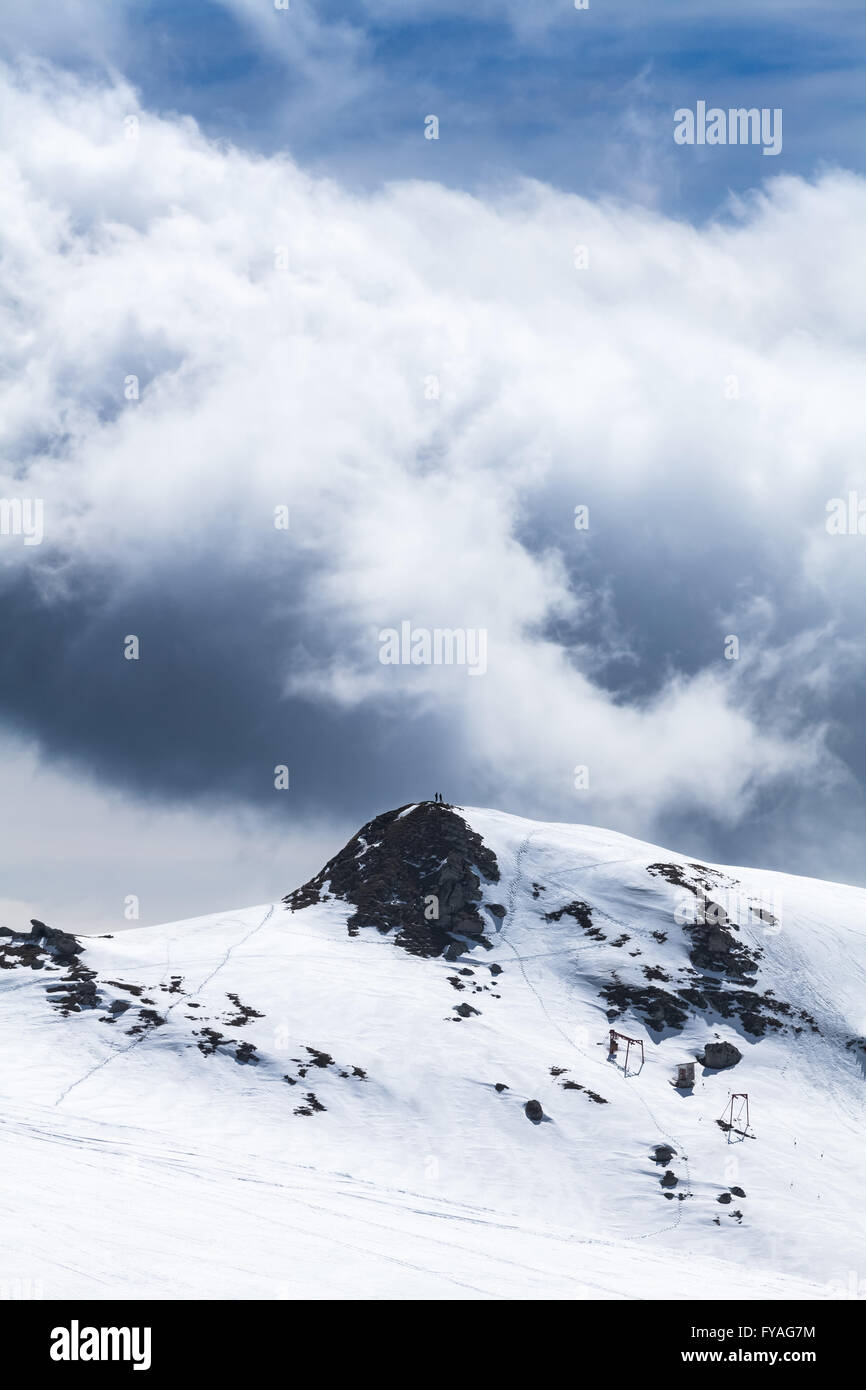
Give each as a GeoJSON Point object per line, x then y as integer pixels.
{"type": "Point", "coordinates": [283, 373]}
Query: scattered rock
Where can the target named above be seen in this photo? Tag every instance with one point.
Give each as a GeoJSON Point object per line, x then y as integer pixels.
{"type": "Point", "coordinates": [663, 1153]}
{"type": "Point", "coordinates": [582, 914]}
{"type": "Point", "coordinates": [658, 1009]}
{"type": "Point", "coordinates": [243, 1015]}
{"type": "Point", "coordinates": [319, 1059]}
{"type": "Point", "coordinates": [313, 1105]}
{"type": "Point", "coordinates": [533, 1111]}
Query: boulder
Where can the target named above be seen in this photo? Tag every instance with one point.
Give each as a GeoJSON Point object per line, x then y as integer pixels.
{"type": "Point", "coordinates": [533, 1111]}
{"type": "Point", "coordinates": [721, 1054]}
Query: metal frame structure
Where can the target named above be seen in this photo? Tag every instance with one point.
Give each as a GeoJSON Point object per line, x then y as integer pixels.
{"type": "Point", "coordinates": [727, 1116]}
{"type": "Point", "coordinates": [616, 1038]}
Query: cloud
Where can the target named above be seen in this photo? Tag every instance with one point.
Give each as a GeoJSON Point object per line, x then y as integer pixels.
{"type": "Point", "coordinates": [84, 857]}
{"type": "Point", "coordinates": [197, 336]}
{"type": "Point", "coordinates": [582, 99]}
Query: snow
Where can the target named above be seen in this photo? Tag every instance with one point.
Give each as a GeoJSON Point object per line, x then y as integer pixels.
{"type": "Point", "coordinates": [137, 1166]}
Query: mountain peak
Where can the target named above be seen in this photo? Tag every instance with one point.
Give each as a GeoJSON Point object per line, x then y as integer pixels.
{"type": "Point", "coordinates": [419, 871]}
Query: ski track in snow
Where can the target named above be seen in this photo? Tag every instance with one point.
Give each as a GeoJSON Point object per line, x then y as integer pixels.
{"type": "Point", "coordinates": [677, 1143]}
{"type": "Point", "coordinates": [184, 999]}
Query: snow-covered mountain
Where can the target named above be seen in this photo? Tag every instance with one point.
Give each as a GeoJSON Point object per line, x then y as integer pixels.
{"type": "Point", "coordinates": [326, 1096]}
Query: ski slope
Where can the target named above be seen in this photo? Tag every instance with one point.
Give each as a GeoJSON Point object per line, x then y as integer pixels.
{"type": "Point", "coordinates": [163, 1143]}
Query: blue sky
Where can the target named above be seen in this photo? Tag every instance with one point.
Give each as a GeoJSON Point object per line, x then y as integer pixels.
{"type": "Point", "coordinates": [579, 99]}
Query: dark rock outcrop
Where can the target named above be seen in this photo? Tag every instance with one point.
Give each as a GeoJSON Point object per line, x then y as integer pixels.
{"type": "Point", "coordinates": [46, 948]}
{"type": "Point", "coordinates": [64, 948]}
{"type": "Point", "coordinates": [41, 946]}
{"type": "Point", "coordinates": [582, 914]}
{"type": "Point", "coordinates": [657, 1008]}
{"type": "Point", "coordinates": [663, 1153]}
{"type": "Point", "coordinates": [720, 1054]}
{"type": "Point", "coordinates": [415, 871]}
{"type": "Point", "coordinates": [533, 1111]}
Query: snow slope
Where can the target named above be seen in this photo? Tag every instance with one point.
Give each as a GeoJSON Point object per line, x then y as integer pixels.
{"type": "Point", "coordinates": [283, 1104]}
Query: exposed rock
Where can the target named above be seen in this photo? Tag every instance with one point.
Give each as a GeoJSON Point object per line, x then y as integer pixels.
{"type": "Point", "coordinates": [465, 1010]}
{"type": "Point", "coordinates": [756, 1012]}
{"type": "Point", "coordinates": [147, 1019]}
{"type": "Point", "coordinates": [663, 1153]}
{"type": "Point", "coordinates": [720, 1054]}
{"type": "Point", "coordinates": [313, 1105]}
{"type": "Point", "coordinates": [658, 1009]}
{"type": "Point", "coordinates": [319, 1059]}
{"type": "Point", "coordinates": [713, 947]}
{"type": "Point", "coordinates": [76, 991]}
{"type": "Point", "coordinates": [40, 947]}
{"type": "Point", "coordinates": [582, 914]}
{"type": "Point", "coordinates": [691, 876]}
{"type": "Point", "coordinates": [64, 948]}
{"type": "Point", "coordinates": [244, 1013]}
{"type": "Point", "coordinates": [404, 866]}
{"type": "Point", "coordinates": [590, 1095]}
{"type": "Point", "coordinates": [533, 1111]}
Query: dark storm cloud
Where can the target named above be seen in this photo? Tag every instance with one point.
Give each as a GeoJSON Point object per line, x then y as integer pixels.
{"type": "Point", "coordinates": [202, 713]}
